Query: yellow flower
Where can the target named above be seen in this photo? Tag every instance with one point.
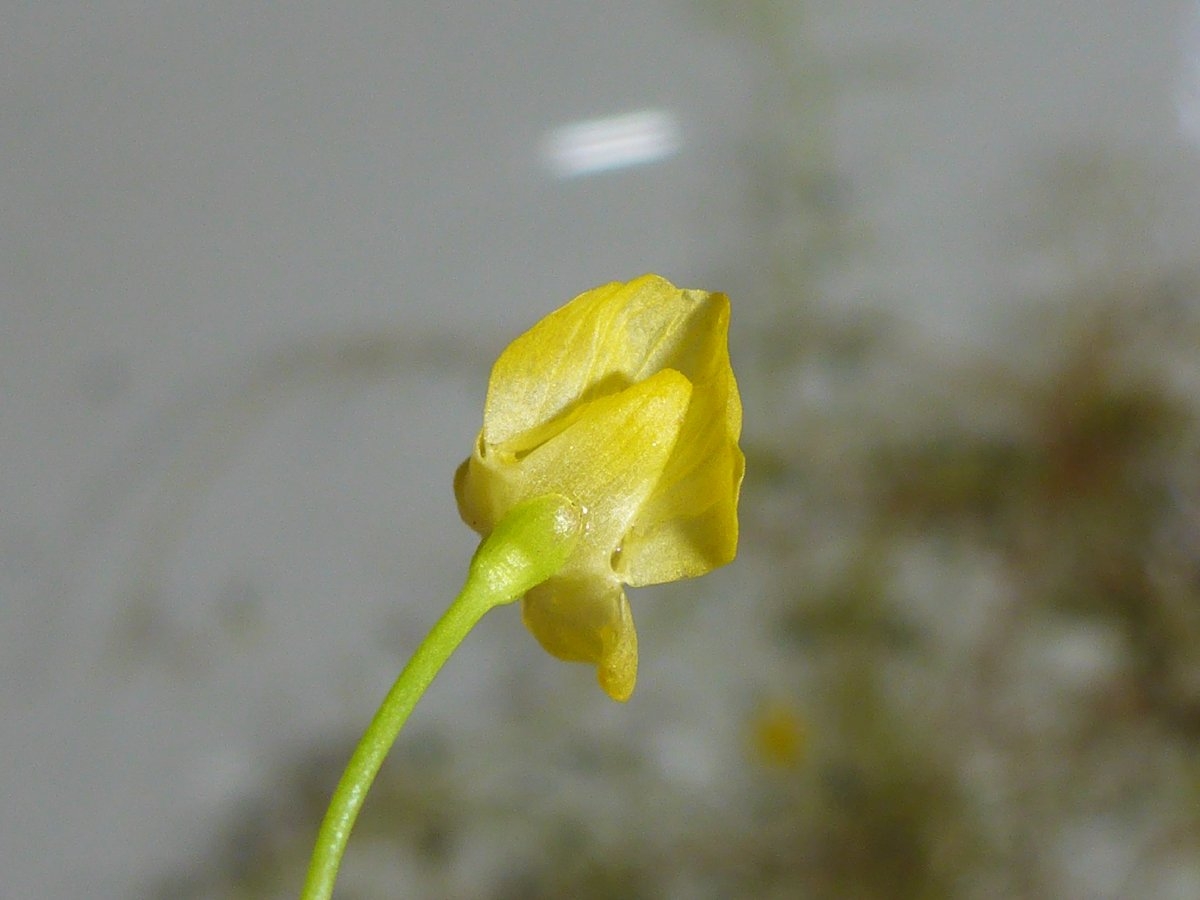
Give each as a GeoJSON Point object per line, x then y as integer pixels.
{"type": "Point", "coordinates": [624, 401]}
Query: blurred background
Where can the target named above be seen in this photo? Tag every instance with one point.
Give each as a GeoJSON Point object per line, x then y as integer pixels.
{"type": "Point", "coordinates": [255, 264]}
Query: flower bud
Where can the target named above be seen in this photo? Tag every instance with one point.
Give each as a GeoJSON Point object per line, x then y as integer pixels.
{"type": "Point", "coordinates": [624, 402]}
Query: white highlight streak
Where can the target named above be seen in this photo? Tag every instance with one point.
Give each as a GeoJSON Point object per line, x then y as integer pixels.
{"type": "Point", "coordinates": [614, 142]}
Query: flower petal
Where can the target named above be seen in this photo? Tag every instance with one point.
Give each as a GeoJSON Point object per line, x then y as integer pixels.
{"type": "Point", "coordinates": [688, 531]}
{"type": "Point", "coordinates": [608, 460]}
{"type": "Point", "coordinates": [612, 457]}
{"type": "Point", "coordinates": [600, 343]}
{"type": "Point", "coordinates": [581, 621]}
{"type": "Point", "coordinates": [688, 526]}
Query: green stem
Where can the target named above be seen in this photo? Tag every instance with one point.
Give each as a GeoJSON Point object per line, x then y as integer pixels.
{"type": "Point", "coordinates": [530, 544]}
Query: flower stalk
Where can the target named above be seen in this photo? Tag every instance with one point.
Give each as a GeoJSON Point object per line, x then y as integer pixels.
{"type": "Point", "coordinates": [530, 545]}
